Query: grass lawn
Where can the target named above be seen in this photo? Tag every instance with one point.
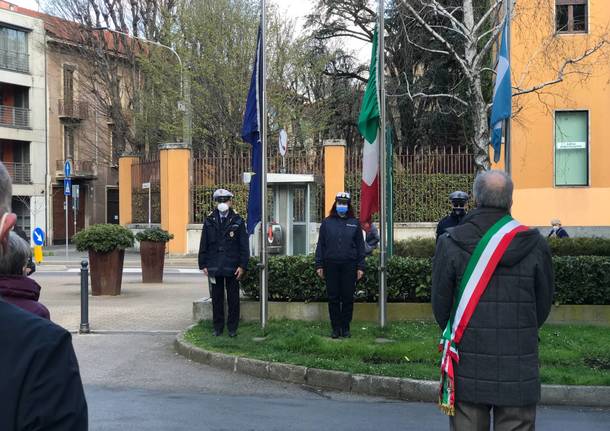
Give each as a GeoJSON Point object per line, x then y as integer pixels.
{"type": "Point", "coordinates": [573, 355]}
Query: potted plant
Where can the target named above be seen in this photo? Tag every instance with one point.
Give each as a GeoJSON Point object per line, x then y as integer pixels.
{"type": "Point", "coordinates": [152, 253]}
{"type": "Point", "coordinates": [106, 244]}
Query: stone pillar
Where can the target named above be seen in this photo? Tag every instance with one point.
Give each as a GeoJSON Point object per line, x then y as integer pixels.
{"type": "Point", "coordinates": [125, 163]}
{"type": "Point", "coordinates": [174, 171]}
{"type": "Point", "coordinates": [334, 171]}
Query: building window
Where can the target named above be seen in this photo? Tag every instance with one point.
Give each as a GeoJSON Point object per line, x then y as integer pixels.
{"type": "Point", "coordinates": [572, 148]}
{"type": "Point", "coordinates": [69, 147]}
{"type": "Point", "coordinates": [14, 49]}
{"type": "Point", "coordinates": [571, 16]}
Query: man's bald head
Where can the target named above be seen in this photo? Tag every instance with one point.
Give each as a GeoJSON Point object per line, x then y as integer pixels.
{"type": "Point", "coordinates": [6, 190]}
{"type": "Point", "coordinates": [493, 189]}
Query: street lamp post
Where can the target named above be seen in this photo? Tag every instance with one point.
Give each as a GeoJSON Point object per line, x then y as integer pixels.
{"type": "Point", "coordinates": [184, 105]}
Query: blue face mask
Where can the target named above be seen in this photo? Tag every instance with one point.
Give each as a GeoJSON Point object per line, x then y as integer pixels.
{"type": "Point", "coordinates": [341, 209]}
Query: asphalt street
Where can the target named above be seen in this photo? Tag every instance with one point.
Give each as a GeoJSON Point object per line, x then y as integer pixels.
{"type": "Point", "coordinates": [137, 382]}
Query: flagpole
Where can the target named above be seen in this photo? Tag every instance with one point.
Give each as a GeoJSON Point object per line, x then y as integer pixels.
{"type": "Point", "coordinates": [382, 172]}
{"type": "Point", "coordinates": [263, 137]}
{"type": "Point", "coordinates": [508, 123]}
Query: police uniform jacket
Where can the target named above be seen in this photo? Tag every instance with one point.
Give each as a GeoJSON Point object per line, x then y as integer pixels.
{"type": "Point", "coordinates": [340, 241]}
{"type": "Point", "coordinates": [452, 220]}
{"type": "Point", "coordinates": [224, 245]}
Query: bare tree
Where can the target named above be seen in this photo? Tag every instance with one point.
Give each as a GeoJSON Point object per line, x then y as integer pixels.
{"type": "Point", "coordinates": [467, 31]}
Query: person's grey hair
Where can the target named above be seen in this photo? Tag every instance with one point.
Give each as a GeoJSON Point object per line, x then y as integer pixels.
{"type": "Point", "coordinates": [16, 256]}
{"type": "Point", "coordinates": [493, 189]}
{"type": "Point", "coordinates": [6, 190]}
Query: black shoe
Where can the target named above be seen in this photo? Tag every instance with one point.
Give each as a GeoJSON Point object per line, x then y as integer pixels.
{"type": "Point", "coordinates": [346, 333]}
{"type": "Point", "coordinates": [232, 334]}
{"type": "Point", "coordinates": [216, 333]}
{"type": "Point", "coordinates": [335, 334]}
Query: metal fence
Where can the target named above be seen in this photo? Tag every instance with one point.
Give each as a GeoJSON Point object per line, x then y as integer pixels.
{"type": "Point", "coordinates": [14, 116]}
{"type": "Point", "coordinates": [21, 173]}
{"type": "Point", "coordinates": [212, 170]}
{"type": "Point", "coordinates": [145, 171]}
{"type": "Point", "coordinates": [422, 180]}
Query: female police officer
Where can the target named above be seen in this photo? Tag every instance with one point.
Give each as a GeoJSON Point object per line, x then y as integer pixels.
{"type": "Point", "coordinates": [223, 257]}
{"type": "Point", "coordinates": [340, 261]}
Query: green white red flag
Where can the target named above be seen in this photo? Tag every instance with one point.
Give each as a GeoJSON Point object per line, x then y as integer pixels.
{"type": "Point", "coordinates": [368, 124]}
{"type": "Point", "coordinates": [479, 270]}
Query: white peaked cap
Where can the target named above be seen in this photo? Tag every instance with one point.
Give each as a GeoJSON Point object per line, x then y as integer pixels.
{"type": "Point", "coordinates": [222, 193]}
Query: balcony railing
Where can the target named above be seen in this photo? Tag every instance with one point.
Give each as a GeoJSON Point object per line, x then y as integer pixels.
{"type": "Point", "coordinates": [75, 110]}
{"type": "Point", "coordinates": [13, 60]}
{"type": "Point", "coordinates": [80, 168]}
{"type": "Point", "coordinates": [21, 173]}
{"type": "Point", "coordinates": [14, 117]}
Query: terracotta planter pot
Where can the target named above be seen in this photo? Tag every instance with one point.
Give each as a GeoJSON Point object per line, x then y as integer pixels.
{"type": "Point", "coordinates": [106, 272]}
{"type": "Point", "coordinates": [152, 256]}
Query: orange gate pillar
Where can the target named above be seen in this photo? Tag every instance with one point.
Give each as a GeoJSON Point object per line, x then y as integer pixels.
{"type": "Point", "coordinates": [174, 172]}
{"type": "Point", "coordinates": [125, 163]}
{"type": "Point", "coordinates": [334, 171]}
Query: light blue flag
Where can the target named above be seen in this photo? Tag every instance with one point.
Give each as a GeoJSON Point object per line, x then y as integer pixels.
{"type": "Point", "coordinates": [502, 107]}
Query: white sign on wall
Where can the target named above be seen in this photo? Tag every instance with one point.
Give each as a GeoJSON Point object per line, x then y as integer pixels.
{"type": "Point", "coordinates": [573, 145]}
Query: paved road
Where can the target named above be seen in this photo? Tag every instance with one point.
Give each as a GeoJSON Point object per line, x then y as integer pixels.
{"type": "Point", "coordinates": [135, 381]}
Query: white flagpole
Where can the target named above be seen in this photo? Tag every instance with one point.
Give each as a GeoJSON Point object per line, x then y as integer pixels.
{"type": "Point", "coordinates": [263, 136]}
{"type": "Point", "coordinates": [508, 123]}
{"type": "Point", "coordinates": [382, 169]}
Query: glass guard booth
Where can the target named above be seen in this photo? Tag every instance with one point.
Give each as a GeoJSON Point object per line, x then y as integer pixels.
{"type": "Point", "coordinates": [289, 207]}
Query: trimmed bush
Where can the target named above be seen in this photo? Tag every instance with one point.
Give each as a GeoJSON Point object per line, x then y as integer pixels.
{"type": "Point", "coordinates": [103, 238]}
{"type": "Point", "coordinates": [424, 247]}
{"type": "Point", "coordinates": [154, 234]}
{"type": "Point", "coordinates": [578, 280]}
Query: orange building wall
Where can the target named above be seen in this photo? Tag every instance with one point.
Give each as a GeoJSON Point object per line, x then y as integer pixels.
{"type": "Point", "coordinates": [536, 55]}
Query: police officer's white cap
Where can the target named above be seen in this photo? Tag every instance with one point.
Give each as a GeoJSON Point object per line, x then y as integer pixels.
{"type": "Point", "coordinates": [343, 195]}
{"type": "Point", "coordinates": [222, 193]}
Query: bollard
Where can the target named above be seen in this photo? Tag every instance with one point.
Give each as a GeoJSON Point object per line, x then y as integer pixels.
{"type": "Point", "coordinates": [84, 297]}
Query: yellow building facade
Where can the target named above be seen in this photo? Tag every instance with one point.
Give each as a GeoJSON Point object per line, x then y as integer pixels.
{"type": "Point", "coordinates": [560, 134]}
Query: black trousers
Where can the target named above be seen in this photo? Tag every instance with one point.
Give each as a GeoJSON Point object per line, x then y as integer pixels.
{"type": "Point", "coordinates": [340, 286]}
{"type": "Point", "coordinates": [217, 291]}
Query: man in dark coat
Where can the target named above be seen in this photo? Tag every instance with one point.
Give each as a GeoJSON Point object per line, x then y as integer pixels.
{"type": "Point", "coordinates": [458, 201]}
{"type": "Point", "coordinates": [39, 378]}
{"type": "Point", "coordinates": [498, 354]}
{"type": "Point", "coordinates": [223, 256]}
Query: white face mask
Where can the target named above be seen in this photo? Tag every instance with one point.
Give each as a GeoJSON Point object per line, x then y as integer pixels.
{"type": "Point", "coordinates": [223, 207]}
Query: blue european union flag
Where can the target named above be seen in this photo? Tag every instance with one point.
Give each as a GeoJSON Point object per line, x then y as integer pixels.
{"type": "Point", "coordinates": [501, 106]}
{"type": "Point", "coordinates": [250, 133]}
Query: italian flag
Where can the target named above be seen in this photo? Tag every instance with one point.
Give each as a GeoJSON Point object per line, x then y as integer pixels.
{"type": "Point", "coordinates": [368, 124]}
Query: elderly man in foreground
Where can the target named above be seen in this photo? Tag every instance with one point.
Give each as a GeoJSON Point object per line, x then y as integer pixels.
{"type": "Point", "coordinates": [492, 289]}
{"type": "Point", "coordinates": [40, 383]}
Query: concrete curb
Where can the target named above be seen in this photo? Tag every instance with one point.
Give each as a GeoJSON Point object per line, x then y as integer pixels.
{"type": "Point", "coordinates": [381, 386]}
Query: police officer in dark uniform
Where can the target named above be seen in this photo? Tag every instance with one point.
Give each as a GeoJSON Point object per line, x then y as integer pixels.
{"type": "Point", "coordinates": [223, 257]}
{"type": "Point", "coordinates": [458, 201]}
{"type": "Point", "coordinates": [340, 262]}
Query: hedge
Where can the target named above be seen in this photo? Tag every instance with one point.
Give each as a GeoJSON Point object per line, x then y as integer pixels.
{"type": "Point", "coordinates": [424, 247]}
{"type": "Point", "coordinates": [578, 280]}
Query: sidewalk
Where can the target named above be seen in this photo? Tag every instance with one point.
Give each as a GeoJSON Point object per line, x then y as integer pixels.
{"type": "Point", "coordinates": [55, 259]}
{"type": "Point", "coordinates": [140, 307]}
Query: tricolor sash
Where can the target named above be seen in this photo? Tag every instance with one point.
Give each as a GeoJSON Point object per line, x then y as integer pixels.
{"type": "Point", "coordinates": [479, 270]}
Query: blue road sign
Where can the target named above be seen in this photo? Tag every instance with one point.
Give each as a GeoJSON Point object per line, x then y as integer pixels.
{"type": "Point", "coordinates": [67, 186]}
{"type": "Point", "coordinates": [38, 236]}
{"type": "Point", "coordinates": [68, 168]}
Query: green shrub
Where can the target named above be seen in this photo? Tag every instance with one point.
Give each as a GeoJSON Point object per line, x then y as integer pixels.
{"type": "Point", "coordinates": [154, 234]}
{"type": "Point", "coordinates": [580, 246]}
{"type": "Point", "coordinates": [418, 247]}
{"type": "Point", "coordinates": [424, 247]}
{"type": "Point", "coordinates": [578, 280]}
{"type": "Point", "coordinates": [103, 238]}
